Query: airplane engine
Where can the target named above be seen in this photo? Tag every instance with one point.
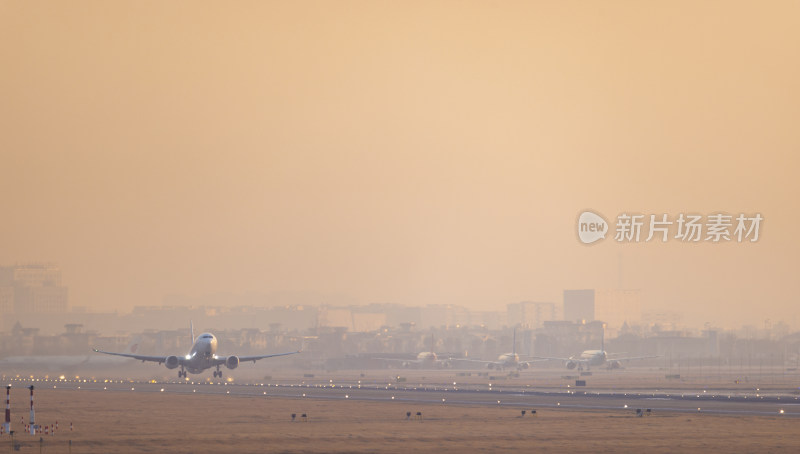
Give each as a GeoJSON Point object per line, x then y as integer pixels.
{"type": "Point", "coordinates": [571, 365]}
{"type": "Point", "coordinates": [614, 365]}
{"type": "Point", "coordinates": [172, 362]}
{"type": "Point", "coordinates": [232, 362]}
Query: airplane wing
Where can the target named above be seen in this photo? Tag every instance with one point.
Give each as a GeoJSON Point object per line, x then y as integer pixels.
{"type": "Point", "coordinates": [629, 358]}
{"type": "Point", "coordinates": [155, 359]}
{"type": "Point", "coordinates": [549, 358]}
{"type": "Point", "coordinates": [257, 357]}
{"type": "Point", "coordinates": [399, 360]}
{"type": "Point", "coordinates": [479, 361]}
{"type": "Point", "coordinates": [535, 360]}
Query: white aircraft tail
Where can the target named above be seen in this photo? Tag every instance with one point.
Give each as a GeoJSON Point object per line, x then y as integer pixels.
{"type": "Point", "coordinates": [191, 331]}
{"type": "Point", "coordinates": [514, 345]}
{"type": "Point", "coordinates": [603, 337]}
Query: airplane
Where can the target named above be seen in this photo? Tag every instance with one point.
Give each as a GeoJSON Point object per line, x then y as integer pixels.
{"type": "Point", "coordinates": [424, 360]}
{"type": "Point", "coordinates": [201, 357]}
{"type": "Point", "coordinates": [589, 358]}
{"type": "Point", "coordinates": [507, 360]}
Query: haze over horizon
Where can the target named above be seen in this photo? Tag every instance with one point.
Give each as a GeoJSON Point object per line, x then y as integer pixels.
{"type": "Point", "coordinates": [413, 153]}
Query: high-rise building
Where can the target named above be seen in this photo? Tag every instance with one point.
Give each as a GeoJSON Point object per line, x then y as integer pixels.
{"type": "Point", "coordinates": [530, 314]}
{"type": "Point", "coordinates": [32, 288]}
{"type": "Point", "coordinates": [579, 305]}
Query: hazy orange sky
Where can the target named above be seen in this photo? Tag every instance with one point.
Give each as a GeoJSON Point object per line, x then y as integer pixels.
{"type": "Point", "coordinates": [408, 152]}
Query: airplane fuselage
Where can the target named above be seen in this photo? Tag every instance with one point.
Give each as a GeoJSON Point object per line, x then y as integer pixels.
{"type": "Point", "coordinates": [427, 357]}
{"type": "Point", "coordinates": [593, 357]}
{"type": "Point", "coordinates": [587, 359]}
{"type": "Point", "coordinates": [203, 354]}
{"type": "Point", "coordinates": [508, 360]}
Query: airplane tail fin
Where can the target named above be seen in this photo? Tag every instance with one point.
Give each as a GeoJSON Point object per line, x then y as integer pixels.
{"type": "Point", "coordinates": [191, 331]}
{"type": "Point", "coordinates": [134, 345]}
{"type": "Point", "coordinates": [603, 337]}
{"type": "Point", "coordinates": [514, 345]}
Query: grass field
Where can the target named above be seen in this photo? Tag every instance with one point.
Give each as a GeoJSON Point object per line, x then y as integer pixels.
{"type": "Point", "coordinates": [107, 422]}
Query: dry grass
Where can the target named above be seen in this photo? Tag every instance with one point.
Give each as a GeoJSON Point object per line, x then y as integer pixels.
{"type": "Point", "coordinates": [194, 423]}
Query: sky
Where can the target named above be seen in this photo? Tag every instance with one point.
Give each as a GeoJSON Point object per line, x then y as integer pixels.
{"type": "Point", "coordinates": [417, 153]}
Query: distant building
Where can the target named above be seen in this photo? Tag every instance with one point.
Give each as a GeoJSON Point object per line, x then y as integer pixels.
{"type": "Point", "coordinates": [618, 307]}
{"type": "Point", "coordinates": [487, 319]}
{"type": "Point", "coordinates": [663, 320]}
{"type": "Point", "coordinates": [40, 300]}
{"type": "Point", "coordinates": [444, 315]}
{"type": "Point", "coordinates": [579, 305]}
{"type": "Point", "coordinates": [531, 315]}
{"type": "Point", "coordinates": [364, 322]}
{"type": "Point", "coordinates": [351, 319]}
{"type": "Point", "coordinates": [6, 299]}
{"type": "Point", "coordinates": [396, 314]}
{"type": "Point", "coordinates": [34, 288]}
{"type": "Point", "coordinates": [6, 290]}
{"type": "Point", "coordinates": [334, 317]}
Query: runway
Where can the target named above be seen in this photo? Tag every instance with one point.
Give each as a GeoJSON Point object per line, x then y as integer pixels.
{"type": "Point", "coordinates": [523, 397]}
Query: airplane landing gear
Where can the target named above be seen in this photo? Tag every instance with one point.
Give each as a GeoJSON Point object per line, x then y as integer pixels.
{"type": "Point", "coordinates": [217, 373]}
{"type": "Point", "coordinates": [181, 373]}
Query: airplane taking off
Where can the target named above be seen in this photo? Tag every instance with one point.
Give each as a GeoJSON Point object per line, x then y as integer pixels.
{"type": "Point", "coordinates": [589, 358]}
{"type": "Point", "coordinates": [201, 357]}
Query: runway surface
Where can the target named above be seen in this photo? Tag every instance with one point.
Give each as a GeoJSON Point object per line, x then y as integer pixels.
{"type": "Point", "coordinates": [525, 397]}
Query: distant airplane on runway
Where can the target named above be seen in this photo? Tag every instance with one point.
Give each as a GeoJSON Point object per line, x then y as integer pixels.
{"type": "Point", "coordinates": [424, 360]}
{"type": "Point", "coordinates": [507, 360]}
{"type": "Point", "coordinates": [201, 357]}
{"type": "Point", "coordinates": [589, 358]}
